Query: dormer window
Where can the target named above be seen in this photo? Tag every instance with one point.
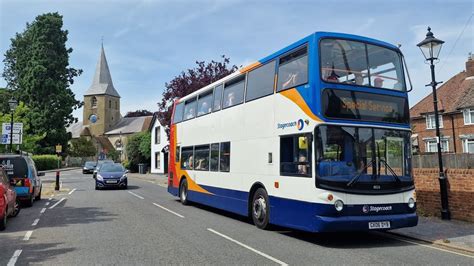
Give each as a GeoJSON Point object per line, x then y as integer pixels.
{"type": "Point", "coordinates": [431, 123]}
{"type": "Point", "coordinates": [468, 116]}
{"type": "Point", "coordinates": [94, 102]}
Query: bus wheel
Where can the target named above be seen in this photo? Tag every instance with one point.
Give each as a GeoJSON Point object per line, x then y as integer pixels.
{"type": "Point", "coordinates": [183, 192]}
{"type": "Point", "coordinates": [260, 209]}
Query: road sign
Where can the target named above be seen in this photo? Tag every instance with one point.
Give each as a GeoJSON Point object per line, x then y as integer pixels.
{"type": "Point", "coordinates": [17, 128]}
{"type": "Point", "coordinates": [17, 139]}
{"type": "Point", "coordinates": [59, 148]}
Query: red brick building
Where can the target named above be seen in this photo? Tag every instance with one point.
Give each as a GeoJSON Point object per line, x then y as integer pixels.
{"type": "Point", "coordinates": [456, 109]}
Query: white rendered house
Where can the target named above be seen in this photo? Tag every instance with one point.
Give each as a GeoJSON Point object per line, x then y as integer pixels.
{"type": "Point", "coordinates": [159, 147]}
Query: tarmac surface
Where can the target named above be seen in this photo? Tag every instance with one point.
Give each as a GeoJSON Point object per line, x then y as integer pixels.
{"type": "Point", "coordinates": [147, 226]}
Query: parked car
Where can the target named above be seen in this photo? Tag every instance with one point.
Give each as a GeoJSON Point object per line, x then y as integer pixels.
{"type": "Point", "coordinates": [111, 175]}
{"type": "Point", "coordinates": [98, 165]}
{"type": "Point", "coordinates": [89, 167]}
{"type": "Point", "coordinates": [24, 177]}
{"type": "Point", "coordinates": [9, 205]}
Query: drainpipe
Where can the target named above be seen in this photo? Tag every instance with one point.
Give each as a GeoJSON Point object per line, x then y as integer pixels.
{"type": "Point", "coordinates": [454, 134]}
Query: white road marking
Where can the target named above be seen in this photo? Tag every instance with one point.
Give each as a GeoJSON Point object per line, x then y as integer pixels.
{"type": "Point", "coordinates": [168, 210]}
{"type": "Point", "coordinates": [46, 204]}
{"type": "Point", "coordinates": [50, 198]}
{"type": "Point", "coordinates": [427, 246]}
{"type": "Point", "coordinates": [35, 222]}
{"type": "Point", "coordinates": [27, 235]}
{"type": "Point", "coordinates": [56, 204]}
{"type": "Point", "coordinates": [14, 258]}
{"type": "Point", "coordinates": [138, 196]}
{"type": "Point", "coordinates": [248, 247]}
{"type": "Point", "coordinates": [72, 191]}
{"type": "Point", "coordinates": [43, 210]}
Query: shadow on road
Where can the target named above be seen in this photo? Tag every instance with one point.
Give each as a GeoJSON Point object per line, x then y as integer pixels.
{"type": "Point", "coordinates": [344, 240]}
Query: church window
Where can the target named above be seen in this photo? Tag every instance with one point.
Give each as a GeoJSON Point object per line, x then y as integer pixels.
{"type": "Point", "coordinates": [116, 105]}
{"type": "Point", "coordinates": [94, 102]}
{"type": "Point", "coordinates": [110, 104]}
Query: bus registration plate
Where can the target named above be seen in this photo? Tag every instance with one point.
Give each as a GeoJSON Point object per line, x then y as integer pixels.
{"type": "Point", "coordinates": [379, 225]}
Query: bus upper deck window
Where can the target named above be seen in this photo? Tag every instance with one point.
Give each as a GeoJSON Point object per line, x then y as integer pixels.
{"type": "Point", "coordinates": [293, 70]}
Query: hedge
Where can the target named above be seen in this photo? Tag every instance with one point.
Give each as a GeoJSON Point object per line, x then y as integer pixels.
{"type": "Point", "coordinates": [46, 162]}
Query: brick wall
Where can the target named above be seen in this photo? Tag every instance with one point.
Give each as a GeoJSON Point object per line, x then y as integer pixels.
{"type": "Point", "coordinates": [460, 192]}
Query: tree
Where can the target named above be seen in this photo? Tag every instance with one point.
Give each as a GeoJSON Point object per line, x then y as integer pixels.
{"type": "Point", "coordinates": [145, 145]}
{"type": "Point", "coordinates": [82, 147]}
{"type": "Point", "coordinates": [37, 69]}
{"type": "Point", "coordinates": [30, 141]}
{"type": "Point", "coordinates": [138, 113]}
{"type": "Point", "coordinates": [190, 81]}
{"type": "Point", "coordinates": [134, 150]}
{"type": "Point", "coordinates": [5, 95]}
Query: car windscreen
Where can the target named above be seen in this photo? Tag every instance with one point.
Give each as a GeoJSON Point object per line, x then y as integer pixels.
{"type": "Point", "coordinates": [90, 164]}
{"type": "Point", "coordinates": [111, 168]}
{"type": "Point", "coordinates": [15, 167]}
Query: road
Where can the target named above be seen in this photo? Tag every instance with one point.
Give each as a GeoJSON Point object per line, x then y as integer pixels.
{"type": "Point", "coordinates": [147, 226]}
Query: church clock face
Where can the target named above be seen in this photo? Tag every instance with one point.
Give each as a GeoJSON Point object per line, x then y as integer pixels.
{"type": "Point", "coordinates": [93, 118]}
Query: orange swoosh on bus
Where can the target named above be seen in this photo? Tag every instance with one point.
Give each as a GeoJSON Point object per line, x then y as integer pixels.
{"type": "Point", "coordinates": [250, 67]}
{"type": "Point", "coordinates": [294, 96]}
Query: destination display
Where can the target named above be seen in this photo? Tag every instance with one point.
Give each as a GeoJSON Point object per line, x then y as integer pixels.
{"type": "Point", "coordinates": [343, 104]}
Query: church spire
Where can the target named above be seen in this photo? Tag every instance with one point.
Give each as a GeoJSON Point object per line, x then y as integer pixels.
{"type": "Point", "coordinates": [102, 82]}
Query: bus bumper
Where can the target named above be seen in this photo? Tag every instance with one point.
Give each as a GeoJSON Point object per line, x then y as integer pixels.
{"type": "Point", "coordinates": [361, 223]}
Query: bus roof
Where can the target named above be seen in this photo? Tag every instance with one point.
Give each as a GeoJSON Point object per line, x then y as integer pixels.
{"type": "Point", "coordinates": [313, 36]}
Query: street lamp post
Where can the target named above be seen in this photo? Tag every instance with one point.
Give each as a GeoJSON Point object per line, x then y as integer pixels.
{"type": "Point", "coordinates": [13, 104]}
{"type": "Point", "coordinates": [430, 47]}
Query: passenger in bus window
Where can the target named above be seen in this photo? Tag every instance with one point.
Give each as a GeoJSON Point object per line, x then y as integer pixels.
{"type": "Point", "coordinates": [295, 75]}
{"type": "Point", "coordinates": [205, 109]}
{"type": "Point", "coordinates": [398, 86]}
{"type": "Point", "coordinates": [358, 78]}
{"type": "Point", "coordinates": [378, 82]}
{"type": "Point", "coordinates": [302, 168]}
{"type": "Point", "coordinates": [190, 162]}
{"type": "Point", "coordinates": [190, 113]}
{"type": "Point", "coordinates": [230, 99]}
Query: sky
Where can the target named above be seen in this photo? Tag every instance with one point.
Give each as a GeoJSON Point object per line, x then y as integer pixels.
{"type": "Point", "coordinates": [149, 42]}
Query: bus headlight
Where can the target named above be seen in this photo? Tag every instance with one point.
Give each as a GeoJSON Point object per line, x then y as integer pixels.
{"type": "Point", "coordinates": [339, 205]}
{"type": "Point", "coordinates": [411, 203]}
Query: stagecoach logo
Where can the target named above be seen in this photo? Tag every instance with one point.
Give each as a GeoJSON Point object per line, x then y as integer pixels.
{"type": "Point", "coordinates": [298, 124]}
{"type": "Point", "coordinates": [367, 208]}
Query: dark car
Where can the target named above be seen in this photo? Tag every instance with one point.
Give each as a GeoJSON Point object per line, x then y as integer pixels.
{"type": "Point", "coordinates": [98, 165]}
{"type": "Point", "coordinates": [89, 167]}
{"type": "Point", "coordinates": [21, 172]}
{"type": "Point", "coordinates": [9, 205]}
{"type": "Point", "coordinates": [111, 175]}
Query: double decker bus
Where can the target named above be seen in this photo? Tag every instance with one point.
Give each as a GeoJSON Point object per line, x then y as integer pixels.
{"type": "Point", "coordinates": [314, 137]}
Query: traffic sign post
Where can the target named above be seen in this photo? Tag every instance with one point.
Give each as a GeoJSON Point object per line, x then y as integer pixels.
{"type": "Point", "coordinates": [59, 149]}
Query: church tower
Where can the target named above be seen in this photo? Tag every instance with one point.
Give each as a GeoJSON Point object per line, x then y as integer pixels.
{"type": "Point", "coordinates": [101, 110]}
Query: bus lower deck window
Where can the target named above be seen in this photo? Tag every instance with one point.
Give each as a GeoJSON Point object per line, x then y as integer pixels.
{"type": "Point", "coordinates": [225, 157]}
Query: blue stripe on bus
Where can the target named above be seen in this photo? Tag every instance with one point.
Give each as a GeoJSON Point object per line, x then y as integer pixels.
{"type": "Point", "coordinates": [301, 215]}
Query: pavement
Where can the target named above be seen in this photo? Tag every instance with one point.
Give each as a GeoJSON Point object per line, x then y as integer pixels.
{"type": "Point", "coordinates": [145, 225]}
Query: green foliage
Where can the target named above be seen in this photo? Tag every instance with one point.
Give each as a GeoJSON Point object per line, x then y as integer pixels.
{"type": "Point", "coordinates": [37, 69]}
{"type": "Point", "coordinates": [126, 164]}
{"type": "Point", "coordinates": [46, 162]}
{"type": "Point", "coordinates": [113, 155]}
{"type": "Point", "coordinates": [81, 147]}
{"type": "Point", "coordinates": [134, 150]}
{"type": "Point", "coordinates": [5, 95]}
{"type": "Point", "coordinates": [30, 141]}
{"type": "Point", "coordinates": [145, 145]}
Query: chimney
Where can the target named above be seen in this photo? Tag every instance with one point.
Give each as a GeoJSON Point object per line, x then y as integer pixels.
{"type": "Point", "coordinates": [470, 66]}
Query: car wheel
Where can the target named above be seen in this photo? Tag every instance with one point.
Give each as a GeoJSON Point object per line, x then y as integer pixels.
{"type": "Point", "coordinates": [3, 221]}
{"type": "Point", "coordinates": [39, 195]}
{"type": "Point", "coordinates": [16, 209]}
{"type": "Point", "coordinates": [97, 188]}
{"type": "Point", "coordinates": [183, 192]}
{"type": "Point", "coordinates": [260, 209]}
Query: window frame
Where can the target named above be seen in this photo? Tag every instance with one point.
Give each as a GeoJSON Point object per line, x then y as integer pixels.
{"type": "Point", "coordinates": [184, 110]}
{"type": "Point", "coordinates": [275, 68]}
{"type": "Point", "coordinates": [195, 158]}
{"type": "Point", "coordinates": [430, 117]}
{"type": "Point", "coordinates": [220, 155]}
{"type": "Point", "coordinates": [214, 97]}
{"type": "Point", "coordinates": [157, 135]}
{"type": "Point", "coordinates": [469, 114]}
{"type": "Point", "coordinates": [278, 64]}
{"type": "Point", "coordinates": [465, 143]}
{"type": "Point", "coordinates": [202, 95]}
{"type": "Point", "coordinates": [309, 173]}
{"type": "Point", "coordinates": [157, 160]}
{"type": "Point", "coordinates": [367, 60]}
{"type": "Point", "coordinates": [431, 141]}
{"type": "Point", "coordinates": [234, 82]}
{"type": "Point", "coordinates": [182, 113]}
{"type": "Point", "coordinates": [182, 162]}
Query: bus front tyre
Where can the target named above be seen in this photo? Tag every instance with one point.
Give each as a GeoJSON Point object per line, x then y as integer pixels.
{"type": "Point", "coordinates": [261, 209]}
{"type": "Point", "coordinates": [183, 192]}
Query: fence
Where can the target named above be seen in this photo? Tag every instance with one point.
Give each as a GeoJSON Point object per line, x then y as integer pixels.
{"type": "Point", "coordinates": [450, 161]}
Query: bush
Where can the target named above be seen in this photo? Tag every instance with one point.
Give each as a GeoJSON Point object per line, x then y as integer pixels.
{"type": "Point", "coordinates": [46, 162]}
